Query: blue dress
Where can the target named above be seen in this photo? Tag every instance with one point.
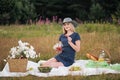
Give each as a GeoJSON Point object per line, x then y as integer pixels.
{"type": "Point", "coordinates": [67, 55]}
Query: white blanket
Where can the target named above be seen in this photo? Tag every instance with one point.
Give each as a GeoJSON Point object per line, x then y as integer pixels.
{"type": "Point", "coordinates": [32, 68]}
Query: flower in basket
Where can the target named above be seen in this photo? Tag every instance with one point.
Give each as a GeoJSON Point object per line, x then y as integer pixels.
{"type": "Point", "coordinates": [23, 50]}
{"type": "Point", "coordinates": [58, 47]}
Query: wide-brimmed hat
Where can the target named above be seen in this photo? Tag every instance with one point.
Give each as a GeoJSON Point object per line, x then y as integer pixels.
{"type": "Point", "coordinates": [69, 20]}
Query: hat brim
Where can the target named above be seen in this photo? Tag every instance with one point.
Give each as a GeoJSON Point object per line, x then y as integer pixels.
{"type": "Point", "coordinates": [75, 24]}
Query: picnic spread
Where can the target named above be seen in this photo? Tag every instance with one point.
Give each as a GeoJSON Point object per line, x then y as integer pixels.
{"type": "Point", "coordinates": [18, 64]}
{"type": "Point", "coordinates": [85, 68]}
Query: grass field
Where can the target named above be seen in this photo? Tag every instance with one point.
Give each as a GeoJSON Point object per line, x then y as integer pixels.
{"type": "Point", "coordinates": [100, 77]}
{"type": "Point", "coordinates": [43, 37]}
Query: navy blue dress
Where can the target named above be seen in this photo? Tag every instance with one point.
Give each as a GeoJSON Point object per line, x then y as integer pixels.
{"type": "Point", "coordinates": [67, 55]}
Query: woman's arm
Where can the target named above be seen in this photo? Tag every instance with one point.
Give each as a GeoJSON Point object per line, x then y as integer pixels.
{"type": "Point", "coordinates": [75, 46]}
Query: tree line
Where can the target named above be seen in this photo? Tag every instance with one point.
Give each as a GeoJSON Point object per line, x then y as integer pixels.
{"type": "Point", "coordinates": [24, 11]}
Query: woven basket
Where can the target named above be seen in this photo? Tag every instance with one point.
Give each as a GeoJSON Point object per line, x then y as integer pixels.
{"type": "Point", "coordinates": [96, 52]}
{"type": "Point", "coordinates": [17, 65]}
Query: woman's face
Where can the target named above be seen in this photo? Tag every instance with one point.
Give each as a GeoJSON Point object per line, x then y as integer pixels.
{"type": "Point", "coordinates": [67, 26]}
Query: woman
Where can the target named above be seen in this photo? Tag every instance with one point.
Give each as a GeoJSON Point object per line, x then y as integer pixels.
{"type": "Point", "coordinates": [71, 44]}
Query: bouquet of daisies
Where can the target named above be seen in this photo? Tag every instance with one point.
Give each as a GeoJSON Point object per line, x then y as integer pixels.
{"type": "Point", "coordinates": [23, 50]}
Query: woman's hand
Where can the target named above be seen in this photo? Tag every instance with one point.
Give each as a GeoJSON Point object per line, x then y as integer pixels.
{"type": "Point", "coordinates": [58, 47]}
{"type": "Point", "coordinates": [75, 46]}
{"type": "Point", "coordinates": [69, 39]}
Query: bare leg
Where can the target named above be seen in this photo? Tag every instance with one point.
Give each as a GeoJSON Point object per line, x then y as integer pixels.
{"type": "Point", "coordinates": [52, 63]}
{"type": "Point", "coordinates": [56, 64]}
{"type": "Point", "coordinates": [51, 60]}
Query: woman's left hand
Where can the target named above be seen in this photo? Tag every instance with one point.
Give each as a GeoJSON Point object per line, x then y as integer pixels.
{"type": "Point", "coordinates": [69, 39]}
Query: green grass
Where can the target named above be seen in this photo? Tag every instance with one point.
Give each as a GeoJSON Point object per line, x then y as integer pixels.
{"type": "Point", "coordinates": [20, 31]}
{"type": "Point", "coordinates": [97, 77]}
{"type": "Point", "coordinates": [43, 37]}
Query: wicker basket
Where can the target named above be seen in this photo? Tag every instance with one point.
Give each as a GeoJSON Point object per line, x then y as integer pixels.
{"type": "Point", "coordinates": [96, 52]}
{"type": "Point", "coordinates": [17, 65]}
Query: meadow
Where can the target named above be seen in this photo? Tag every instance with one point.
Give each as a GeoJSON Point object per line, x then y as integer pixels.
{"type": "Point", "coordinates": [43, 37]}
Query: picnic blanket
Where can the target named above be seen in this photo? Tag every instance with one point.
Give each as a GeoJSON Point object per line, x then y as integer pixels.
{"type": "Point", "coordinates": [87, 67]}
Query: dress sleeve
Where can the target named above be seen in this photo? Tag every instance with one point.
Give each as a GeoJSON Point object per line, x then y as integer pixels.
{"type": "Point", "coordinates": [77, 37]}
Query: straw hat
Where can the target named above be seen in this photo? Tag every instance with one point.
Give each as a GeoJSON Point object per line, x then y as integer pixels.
{"type": "Point", "coordinates": [69, 20]}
